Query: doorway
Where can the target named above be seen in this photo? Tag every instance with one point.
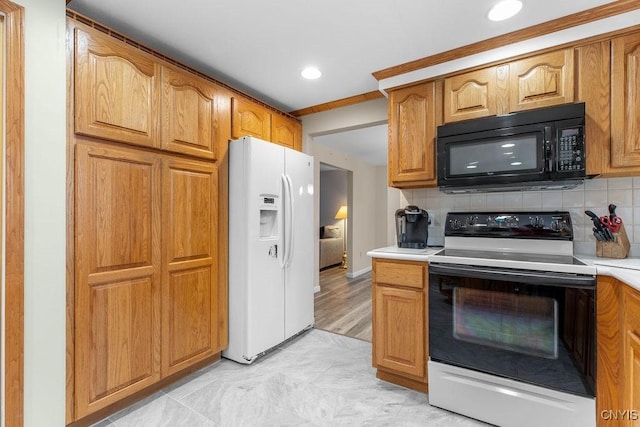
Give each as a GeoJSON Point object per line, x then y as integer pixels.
{"type": "Point", "coordinates": [334, 218]}
{"type": "Point", "coordinates": [343, 304]}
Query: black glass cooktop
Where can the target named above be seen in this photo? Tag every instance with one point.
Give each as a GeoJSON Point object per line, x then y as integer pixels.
{"type": "Point", "coordinates": [508, 256]}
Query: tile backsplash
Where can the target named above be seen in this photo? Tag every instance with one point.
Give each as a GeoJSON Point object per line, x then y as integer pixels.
{"type": "Point", "coordinates": [595, 194]}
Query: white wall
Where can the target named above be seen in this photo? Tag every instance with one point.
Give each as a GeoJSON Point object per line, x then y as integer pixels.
{"type": "Point", "coordinates": [595, 195]}
{"type": "Point", "coordinates": [364, 198]}
{"type": "Point", "coordinates": [385, 226]}
{"type": "Point", "coordinates": [362, 205]}
{"type": "Point", "coordinates": [45, 212]}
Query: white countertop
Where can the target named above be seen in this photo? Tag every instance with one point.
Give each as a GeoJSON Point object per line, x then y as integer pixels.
{"type": "Point", "coordinates": [394, 252]}
{"type": "Point", "coordinates": [626, 270]}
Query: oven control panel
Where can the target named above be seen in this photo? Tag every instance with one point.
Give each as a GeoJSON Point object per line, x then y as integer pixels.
{"type": "Point", "coordinates": [519, 225]}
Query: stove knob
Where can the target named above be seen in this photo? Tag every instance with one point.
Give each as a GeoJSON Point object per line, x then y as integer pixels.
{"type": "Point", "coordinates": [536, 222]}
{"type": "Point", "coordinates": [512, 221]}
{"type": "Point", "coordinates": [472, 220]}
{"type": "Point", "coordinates": [558, 225]}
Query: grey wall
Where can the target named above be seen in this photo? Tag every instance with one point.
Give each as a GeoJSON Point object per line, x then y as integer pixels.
{"type": "Point", "coordinates": [333, 194]}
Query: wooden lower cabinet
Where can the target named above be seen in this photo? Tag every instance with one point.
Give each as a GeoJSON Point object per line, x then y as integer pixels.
{"type": "Point", "coordinates": [631, 355]}
{"type": "Point", "coordinates": [400, 332]}
{"type": "Point", "coordinates": [146, 279]}
{"type": "Point", "coordinates": [618, 340]}
{"type": "Point", "coordinates": [117, 291]}
{"type": "Point", "coordinates": [189, 285]}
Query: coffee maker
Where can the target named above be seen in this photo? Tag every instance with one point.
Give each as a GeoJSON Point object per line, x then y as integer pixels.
{"type": "Point", "coordinates": [412, 225]}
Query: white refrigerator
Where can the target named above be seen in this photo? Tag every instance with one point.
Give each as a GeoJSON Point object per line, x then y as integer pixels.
{"type": "Point", "coordinates": [270, 246]}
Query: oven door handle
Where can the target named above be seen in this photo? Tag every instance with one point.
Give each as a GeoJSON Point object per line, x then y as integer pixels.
{"type": "Point", "coordinates": [532, 277]}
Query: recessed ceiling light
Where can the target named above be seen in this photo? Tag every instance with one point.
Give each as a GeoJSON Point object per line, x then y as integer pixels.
{"type": "Point", "coordinates": [311, 73]}
{"type": "Point", "coordinates": [505, 10]}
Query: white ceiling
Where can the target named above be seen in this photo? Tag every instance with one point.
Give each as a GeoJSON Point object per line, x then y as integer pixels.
{"type": "Point", "coordinates": [261, 46]}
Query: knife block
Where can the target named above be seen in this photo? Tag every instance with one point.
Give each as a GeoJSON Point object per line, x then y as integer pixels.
{"type": "Point", "coordinates": [618, 248]}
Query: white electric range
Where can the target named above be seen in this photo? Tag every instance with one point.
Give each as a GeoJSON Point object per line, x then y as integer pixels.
{"type": "Point", "coordinates": [512, 321]}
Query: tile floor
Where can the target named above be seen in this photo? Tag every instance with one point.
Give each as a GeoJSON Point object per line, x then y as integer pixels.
{"type": "Point", "coordinates": [318, 379]}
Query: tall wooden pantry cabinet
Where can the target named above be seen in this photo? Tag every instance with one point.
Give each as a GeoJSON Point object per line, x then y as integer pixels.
{"type": "Point", "coordinates": [147, 298]}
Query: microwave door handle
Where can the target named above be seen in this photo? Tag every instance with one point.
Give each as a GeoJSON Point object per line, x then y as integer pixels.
{"type": "Point", "coordinates": [548, 148]}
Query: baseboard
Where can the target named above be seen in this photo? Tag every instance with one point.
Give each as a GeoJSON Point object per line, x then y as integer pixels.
{"type": "Point", "coordinates": [316, 289]}
{"type": "Point", "coordinates": [358, 273]}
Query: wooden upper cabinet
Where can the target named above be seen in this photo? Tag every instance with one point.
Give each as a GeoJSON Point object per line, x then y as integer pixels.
{"type": "Point", "coordinates": [475, 94]}
{"type": "Point", "coordinates": [189, 114]}
{"type": "Point", "coordinates": [412, 131]}
{"type": "Point", "coordinates": [117, 274]}
{"type": "Point", "coordinates": [190, 267]}
{"type": "Point", "coordinates": [250, 119]}
{"type": "Point", "coordinates": [117, 90]}
{"type": "Point", "coordinates": [625, 101]}
{"type": "Point", "coordinates": [287, 132]}
{"type": "Point", "coordinates": [594, 89]}
{"type": "Point", "coordinates": [542, 80]}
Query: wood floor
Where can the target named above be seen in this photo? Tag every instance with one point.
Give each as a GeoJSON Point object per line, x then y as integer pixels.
{"type": "Point", "coordinates": [343, 305]}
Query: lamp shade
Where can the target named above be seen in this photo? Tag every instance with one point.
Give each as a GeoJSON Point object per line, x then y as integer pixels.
{"type": "Point", "coordinates": [342, 212]}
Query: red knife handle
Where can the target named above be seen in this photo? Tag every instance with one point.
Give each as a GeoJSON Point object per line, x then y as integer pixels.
{"type": "Point", "coordinates": [616, 223]}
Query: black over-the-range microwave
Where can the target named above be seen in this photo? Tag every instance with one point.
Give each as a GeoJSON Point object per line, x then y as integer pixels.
{"type": "Point", "coordinates": [534, 149]}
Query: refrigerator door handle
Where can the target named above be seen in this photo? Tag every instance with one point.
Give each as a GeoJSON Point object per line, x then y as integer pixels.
{"type": "Point", "coordinates": [289, 219]}
{"type": "Point", "coordinates": [283, 229]}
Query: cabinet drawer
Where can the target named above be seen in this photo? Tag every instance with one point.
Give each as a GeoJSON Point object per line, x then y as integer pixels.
{"type": "Point", "coordinates": [409, 274]}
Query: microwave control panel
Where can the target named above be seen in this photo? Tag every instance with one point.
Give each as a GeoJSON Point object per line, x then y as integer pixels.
{"type": "Point", "coordinates": [570, 149]}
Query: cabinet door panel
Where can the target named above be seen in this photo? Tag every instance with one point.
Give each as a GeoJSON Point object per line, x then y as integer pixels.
{"type": "Point", "coordinates": [625, 101]}
{"type": "Point", "coordinates": [594, 89]}
{"type": "Point", "coordinates": [189, 114]}
{"type": "Point", "coordinates": [116, 91]}
{"type": "Point", "coordinates": [631, 353]}
{"type": "Point", "coordinates": [471, 95]}
{"type": "Point", "coordinates": [287, 132]}
{"type": "Point", "coordinates": [399, 330]}
{"type": "Point", "coordinates": [117, 304]}
{"type": "Point", "coordinates": [249, 119]}
{"type": "Point", "coordinates": [542, 80]}
{"type": "Point", "coordinates": [412, 125]}
{"type": "Point", "coordinates": [190, 304]}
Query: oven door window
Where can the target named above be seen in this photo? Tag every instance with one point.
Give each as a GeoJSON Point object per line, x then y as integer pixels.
{"type": "Point", "coordinates": [521, 323]}
{"type": "Point", "coordinates": [511, 327]}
